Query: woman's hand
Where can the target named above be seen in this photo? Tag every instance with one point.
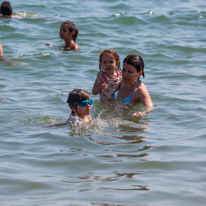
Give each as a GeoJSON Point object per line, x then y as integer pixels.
{"type": "Point", "coordinates": [142, 114]}
{"type": "Point", "coordinates": [138, 114]}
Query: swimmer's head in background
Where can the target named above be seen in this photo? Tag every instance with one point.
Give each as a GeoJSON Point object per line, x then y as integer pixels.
{"type": "Point", "coordinates": [111, 53]}
{"type": "Point", "coordinates": [136, 61]}
{"type": "Point", "coordinates": [72, 28]}
{"type": "Point", "coordinates": [76, 97]}
{"type": "Point", "coordinates": [6, 9]}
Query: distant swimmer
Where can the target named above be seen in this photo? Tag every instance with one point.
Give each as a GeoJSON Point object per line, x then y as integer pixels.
{"type": "Point", "coordinates": [68, 32]}
{"type": "Point", "coordinates": [5, 59]}
{"type": "Point", "coordinates": [109, 79]}
{"type": "Point", "coordinates": [6, 10]}
{"type": "Point", "coordinates": [80, 104]}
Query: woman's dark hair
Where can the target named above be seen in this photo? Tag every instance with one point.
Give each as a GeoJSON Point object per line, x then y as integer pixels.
{"type": "Point", "coordinates": [6, 9]}
{"type": "Point", "coordinates": [72, 27]}
{"type": "Point", "coordinates": [77, 95]}
{"type": "Point", "coordinates": [136, 61]}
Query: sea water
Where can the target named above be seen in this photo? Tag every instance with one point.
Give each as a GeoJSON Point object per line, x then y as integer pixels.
{"type": "Point", "coordinates": [118, 159]}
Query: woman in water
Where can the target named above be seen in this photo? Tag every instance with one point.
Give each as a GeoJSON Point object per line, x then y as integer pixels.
{"type": "Point", "coordinates": [133, 91]}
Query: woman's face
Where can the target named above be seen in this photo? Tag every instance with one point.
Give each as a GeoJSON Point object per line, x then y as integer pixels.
{"type": "Point", "coordinates": [130, 74]}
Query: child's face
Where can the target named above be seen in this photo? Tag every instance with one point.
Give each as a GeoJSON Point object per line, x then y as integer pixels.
{"type": "Point", "coordinates": [109, 64]}
{"type": "Point", "coordinates": [83, 111]}
{"type": "Point", "coordinates": [64, 32]}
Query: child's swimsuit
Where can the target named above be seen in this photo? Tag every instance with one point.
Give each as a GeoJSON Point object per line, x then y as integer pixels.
{"type": "Point", "coordinates": [113, 85]}
{"type": "Point", "coordinates": [74, 119]}
{"type": "Point", "coordinates": [129, 98]}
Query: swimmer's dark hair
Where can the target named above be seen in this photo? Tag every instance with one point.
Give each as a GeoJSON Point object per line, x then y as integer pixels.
{"type": "Point", "coordinates": [112, 53]}
{"type": "Point", "coordinates": [72, 27]}
{"type": "Point", "coordinates": [136, 61]}
{"type": "Point", "coordinates": [6, 9]}
{"type": "Point", "coordinates": [77, 95]}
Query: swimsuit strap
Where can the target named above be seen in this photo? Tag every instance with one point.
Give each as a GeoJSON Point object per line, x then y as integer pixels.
{"type": "Point", "coordinates": [104, 77]}
{"type": "Point", "coordinates": [134, 87]}
{"type": "Point", "coordinates": [118, 74]}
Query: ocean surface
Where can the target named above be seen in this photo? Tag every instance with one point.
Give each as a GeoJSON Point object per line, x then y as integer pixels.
{"type": "Point", "coordinates": [157, 160]}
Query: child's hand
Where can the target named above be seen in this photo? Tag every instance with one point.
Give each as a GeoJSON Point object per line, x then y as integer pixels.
{"type": "Point", "coordinates": [48, 44]}
{"type": "Point", "coordinates": [138, 114]}
{"type": "Point", "coordinates": [103, 86]}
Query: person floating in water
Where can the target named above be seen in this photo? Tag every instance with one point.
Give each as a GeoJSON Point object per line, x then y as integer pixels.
{"type": "Point", "coordinates": [133, 91]}
{"type": "Point", "coordinates": [109, 79]}
{"type": "Point", "coordinates": [6, 10]}
{"type": "Point", "coordinates": [80, 104]}
{"type": "Point", "coordinates": [6, 59]}
{"type": "Point", "coordinates": [68, 32]}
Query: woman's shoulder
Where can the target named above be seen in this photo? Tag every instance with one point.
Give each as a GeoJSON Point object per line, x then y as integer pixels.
{"type": "Point", "coordinates": [140, 88]}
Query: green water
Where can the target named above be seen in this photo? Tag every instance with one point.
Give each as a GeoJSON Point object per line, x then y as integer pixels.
{"type": "Point", "coordinates": [117, 159]}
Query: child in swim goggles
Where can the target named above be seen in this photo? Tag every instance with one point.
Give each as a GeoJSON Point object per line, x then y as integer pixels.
{"type": "Point", "coordinates": [81, 105]}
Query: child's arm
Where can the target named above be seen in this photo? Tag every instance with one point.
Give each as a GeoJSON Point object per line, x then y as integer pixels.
{"type": "Point", "coordinates": [1, 50]}
{"type": "Point", "coordinates": [99, 85]}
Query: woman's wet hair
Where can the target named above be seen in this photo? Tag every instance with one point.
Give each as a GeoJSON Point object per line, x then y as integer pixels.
{"type": "Point", "coordinates": [6, 9]}
{"type": "Point", "coordinates": [72, 27]}
{"type": "Point", "coordinates": [77, 95]}
{"type": "Point", "coordinates": [109, 52]}
{"type": "Point", "coordinates": [136, 61]}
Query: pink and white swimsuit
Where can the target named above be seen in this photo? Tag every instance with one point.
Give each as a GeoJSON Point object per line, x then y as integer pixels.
{"type": "Point", "coordinates": [113, 86]}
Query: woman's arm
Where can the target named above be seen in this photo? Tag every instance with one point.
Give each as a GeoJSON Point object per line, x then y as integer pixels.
{"type": "Point", "coordinates": [142, 114]}
{"type": "Point", "coordinates": [146, 100]}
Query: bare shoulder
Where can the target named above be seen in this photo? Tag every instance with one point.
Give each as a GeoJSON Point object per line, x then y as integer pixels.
{"type": "Point", "coordinates": [100, 78]}
{"type": "Point", "coordinates": [141, 95]}
{"type": "Point", "coordinates": [76, 47]}
{"type": "Point", "coordinates": [141, 88]}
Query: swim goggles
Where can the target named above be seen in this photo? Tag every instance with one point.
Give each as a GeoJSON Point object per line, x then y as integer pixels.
{"type": "Point", "coordinates": [84, 103]}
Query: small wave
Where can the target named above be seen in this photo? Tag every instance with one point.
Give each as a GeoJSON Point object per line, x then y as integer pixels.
{"type": "Point", "coordinates": [26, 14]}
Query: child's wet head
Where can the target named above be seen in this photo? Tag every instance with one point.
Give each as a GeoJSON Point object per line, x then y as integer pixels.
{"type": "Point", "coordinates": [111, 53]}
{"type": "Point", "coordinates": [77, 96]}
